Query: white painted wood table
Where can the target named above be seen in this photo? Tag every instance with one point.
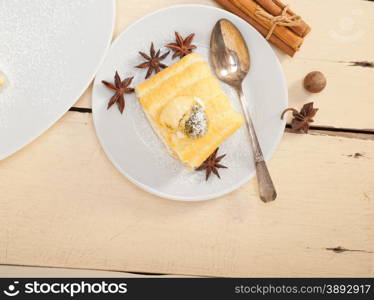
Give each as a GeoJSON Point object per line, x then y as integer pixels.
{"type": "Point", "coordinates": [63, 204]}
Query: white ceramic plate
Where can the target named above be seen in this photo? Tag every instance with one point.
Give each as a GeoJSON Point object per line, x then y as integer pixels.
{"type": "Point", "coordinates": [129, 140]}
{"type": "Point", "coordinates": [50, 52]}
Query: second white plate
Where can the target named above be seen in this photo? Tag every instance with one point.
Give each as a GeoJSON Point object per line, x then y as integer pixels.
{"type": "Point", "coordinates": [129, 140]}
{"type": "Point", "coordinates": [50, 52]}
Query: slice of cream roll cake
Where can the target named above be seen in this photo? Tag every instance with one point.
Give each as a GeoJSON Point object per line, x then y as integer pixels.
{"type": "Point", "coordinates": [188, 109]}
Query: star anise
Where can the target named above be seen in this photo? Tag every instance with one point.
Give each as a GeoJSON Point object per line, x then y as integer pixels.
{"type": "Point", "coordinates": [153, 62]}
{"type": "Point", "coordinates": [121, 88]}
{"type": "Point", "coordinates": [212, 164]}
{"type": "Point", "coordinates": [302, 119]}
{"type": "Point", "coordinates": [182, 47]}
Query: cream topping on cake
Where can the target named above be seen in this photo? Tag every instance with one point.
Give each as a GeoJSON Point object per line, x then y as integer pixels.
{"type": "Point", "coordinates": [185, 116]}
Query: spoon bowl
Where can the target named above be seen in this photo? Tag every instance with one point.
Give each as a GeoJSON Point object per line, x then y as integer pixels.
{"type": "Point", "coordinates": [229, 53]}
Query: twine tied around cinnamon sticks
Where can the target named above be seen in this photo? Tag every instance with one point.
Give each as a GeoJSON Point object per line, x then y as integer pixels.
{"type": "Point", "coordinates": [282, 20]}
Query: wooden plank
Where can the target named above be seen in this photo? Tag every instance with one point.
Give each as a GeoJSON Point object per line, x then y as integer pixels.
{"type": "Point", "coordinates": [63, 204]}
{"type": "Point", "coordinates": [341, 29]}
{"type": "Point", "coordinates": [38, 272]}
{"type": "Point", "coordinates": [347, 101]}
{"type": "Point", "coordinates": [338, 133]}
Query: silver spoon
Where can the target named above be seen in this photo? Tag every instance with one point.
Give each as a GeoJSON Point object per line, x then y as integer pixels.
{"type": "Point", "coordinates": [231, 61]}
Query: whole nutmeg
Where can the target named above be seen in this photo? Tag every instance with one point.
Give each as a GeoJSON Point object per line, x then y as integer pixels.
{"type": "Point", "coordinates": [315, 82]}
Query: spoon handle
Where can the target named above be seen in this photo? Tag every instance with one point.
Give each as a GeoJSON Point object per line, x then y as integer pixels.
{"type": "Point", "coordinates": [265, 184]}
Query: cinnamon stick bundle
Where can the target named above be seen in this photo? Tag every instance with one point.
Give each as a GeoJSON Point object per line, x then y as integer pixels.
{"type": "Point", "coordinates": [261, 17]}
{"type": "Point", "coordinates": [275, 7]}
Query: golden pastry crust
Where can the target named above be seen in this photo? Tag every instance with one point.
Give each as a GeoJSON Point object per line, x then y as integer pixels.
{"type": "Point", "coordinates": [190, 77]}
